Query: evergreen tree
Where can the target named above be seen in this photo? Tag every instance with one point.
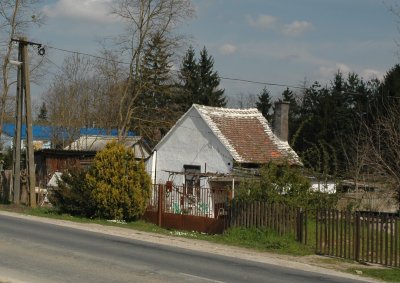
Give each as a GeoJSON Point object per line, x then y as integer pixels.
{"type": "Point", "coordinates": [155, 114]}
{"type": "Point", "coordinates": [210, 94]}
{"type": "Point", "coordinates": [264, 104]}
{"type": "Point", "coordinates": [156, 70]}
{"type": "Point", "coordinates": [42, 117]}
{"type": "Point", "coordinates": [189, 75]}
{"type": "Point", "coordinates": [389, 94]}
{"type": "Point", "coordinates": [200, 83]}
{"type": "Point", "coordinates": [330, 119]}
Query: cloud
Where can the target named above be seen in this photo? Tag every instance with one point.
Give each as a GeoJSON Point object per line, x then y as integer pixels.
{"type": "Point", "coordinates": [297, 28]}
{"type": "Point", "coordinates": [262, 21]}
{"type": "Point", "coordinates": [227, 49]}
{"type": "Point", "coordinates": [372, 74]}
{"type": "Point", "coordinates": [90, 10]}
{"type": "Point", "coordinates": [265, 22]}
{"type": "Point", "coordinates": [366, 74]}
{"type": "Point", "coordinates": [329, 71]}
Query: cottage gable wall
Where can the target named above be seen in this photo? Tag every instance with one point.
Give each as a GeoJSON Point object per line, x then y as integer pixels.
{"type": "Point", "coordinates": [190, 142]}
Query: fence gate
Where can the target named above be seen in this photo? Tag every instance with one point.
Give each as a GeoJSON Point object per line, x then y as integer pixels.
{"type": "Point", "coordinates": [189, 209]}
{"type": "Point", "coordinates": [365, 237]}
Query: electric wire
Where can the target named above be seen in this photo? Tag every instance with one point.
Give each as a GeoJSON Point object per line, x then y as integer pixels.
{"type": "Point", "coordinates": [221, 77]}
{"type": "Point", "coordinates": [86, 54]}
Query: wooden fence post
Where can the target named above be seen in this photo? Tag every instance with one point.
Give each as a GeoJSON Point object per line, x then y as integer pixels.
{"type": "Point", "coordinates": [357, 239]}
{"type": "Point", "coordinates": [316, 232]}
{"type": "Point", "coordinates": [306, 227]}
{"type": "Point", "coordinates": [160, 204]}
{"type": "Point", "coordinates": [299, 225]}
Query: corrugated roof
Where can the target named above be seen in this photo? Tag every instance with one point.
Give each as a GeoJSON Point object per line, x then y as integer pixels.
{"type": "Point", "coordinates": [38, 132]}
{"type": "Point", "coordinates": [98, 142]}
{"type": "Point", "coordinates": [41, 132]}
{"type": "Point", "coordinates": [246, 135]}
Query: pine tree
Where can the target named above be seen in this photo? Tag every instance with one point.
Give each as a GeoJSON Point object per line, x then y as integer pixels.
{"type": "Point", "coordinates": [156, 70]}
{"type": "Point", "coordinates": [390, 90]}
{"type": "Point", "coordinates": [155, 114]}
{"type": "Point", "coordinates": [288, 95]}
{"type": "Point", "coordinates": [200, 83]}
{"type": "Point", "coordinates": [42, 117]}
{"type": "Point", "coordinates": [210, 94]}
{"type": "Point", "coordinates": [189, 75]}
{"type": "Point", "coordinates": [264, 104]}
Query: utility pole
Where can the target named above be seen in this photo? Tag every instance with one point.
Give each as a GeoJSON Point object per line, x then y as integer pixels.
{"type": "Point", "coordinates": [16, 174]}
{"type": "Point", "coordinates": [24, 115]}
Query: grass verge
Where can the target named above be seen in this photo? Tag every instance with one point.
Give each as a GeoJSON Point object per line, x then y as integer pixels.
{"type": "Point", "coordinates": [384, 274]}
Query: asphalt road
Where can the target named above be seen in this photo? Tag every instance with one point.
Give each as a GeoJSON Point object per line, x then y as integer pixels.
{"type": "Point", "coordinates": [31, 251]}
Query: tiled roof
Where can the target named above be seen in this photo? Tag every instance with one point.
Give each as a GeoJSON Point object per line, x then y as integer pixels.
{"type": "Point", "coordinates": [246, 135]}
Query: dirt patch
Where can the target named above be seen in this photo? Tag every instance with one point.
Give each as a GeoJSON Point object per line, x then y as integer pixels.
{"type": "Point", "coordinates": [337, 263]}
{"type": "Point", "coordinates": [14, 208]}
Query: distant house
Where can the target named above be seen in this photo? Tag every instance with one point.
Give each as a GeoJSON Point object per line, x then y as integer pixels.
{"type": "Point", "coordinates": [46, 137]}
{"type": "Point", "coordinates": [209, 140]}
{"type": "Point", "coordinates": [98, 142]}
{"type": "Point", "coordinates": [80, 154]}
{"type": "Point", "coordinates": [41, 136]}
{"type": "Point", "coordinates": [367, 196]}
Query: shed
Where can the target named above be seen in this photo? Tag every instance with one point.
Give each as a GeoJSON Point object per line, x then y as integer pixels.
{"type": "Point", "coordinates": [98, 142]}
{"type": "Point", "coordinates": [216, 140]}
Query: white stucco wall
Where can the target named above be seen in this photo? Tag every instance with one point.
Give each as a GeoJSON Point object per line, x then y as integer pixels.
{"type": "Point", "coordinates": [191, 142]}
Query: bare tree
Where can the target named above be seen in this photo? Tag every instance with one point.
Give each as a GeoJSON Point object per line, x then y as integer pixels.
{"type": "Point", "coordinates": [356, 150]}
{"type": "Point", "coordinates": [109, 74]}
{"type": "Point", "coordinates": [243, 101]}
{"type": "Point", "coordinates": [143, 19]}
{"type": "Point", "coordinates": [71, 98]}
{"type": "Point", "coordinates": [16, 16]}
{"type": "Point", "coordinates": [384, 148]}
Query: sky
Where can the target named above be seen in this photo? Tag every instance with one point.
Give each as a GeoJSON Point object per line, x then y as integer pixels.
{"type": "Point", "coordinates": [271, 42]}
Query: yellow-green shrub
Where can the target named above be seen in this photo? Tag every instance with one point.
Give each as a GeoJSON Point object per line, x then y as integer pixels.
{"type": "Point", "coordinates": [120, 185]}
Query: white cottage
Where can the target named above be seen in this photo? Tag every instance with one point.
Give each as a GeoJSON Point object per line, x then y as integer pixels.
{"type": "Point", "coordinates": [215, 140]}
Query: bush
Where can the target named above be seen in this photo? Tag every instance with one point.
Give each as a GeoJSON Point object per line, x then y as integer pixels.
{"type": "Point", "coordinates": [277, 183]}
{"type": "Point", "coordinates": [72, 195]}
{"type": "Point", "coordinates": [119, 184]}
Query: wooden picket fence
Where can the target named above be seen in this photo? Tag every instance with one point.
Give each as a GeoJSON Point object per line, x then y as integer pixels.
{"type": "Point", "coordinates": [361, 236]}
{"type": "Point", "coordinates": [212, 212]}
{"type": "Point", "coordinates": [275, 216]}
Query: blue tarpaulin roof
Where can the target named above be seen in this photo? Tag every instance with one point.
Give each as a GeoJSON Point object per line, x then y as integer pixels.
{"type": "Point", "coordinates": [47, 132]}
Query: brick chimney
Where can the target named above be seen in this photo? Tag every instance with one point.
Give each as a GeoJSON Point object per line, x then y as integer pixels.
{"type": "Point", "coordinates": [281, 120]}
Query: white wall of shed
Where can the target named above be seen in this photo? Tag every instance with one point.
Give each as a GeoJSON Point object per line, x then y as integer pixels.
{"type": "Point", "coordinates": [191, 143]}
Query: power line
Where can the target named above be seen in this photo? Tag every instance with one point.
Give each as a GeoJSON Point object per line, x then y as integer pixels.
{"type": "Point", "coordinates": [86, 54]}
{"type": "Point", "coordinates": [261, 83]}
{"type": "Point", "coordinates": [52, 62]}
{"type": "Point", "coordinates": [222, 78]}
